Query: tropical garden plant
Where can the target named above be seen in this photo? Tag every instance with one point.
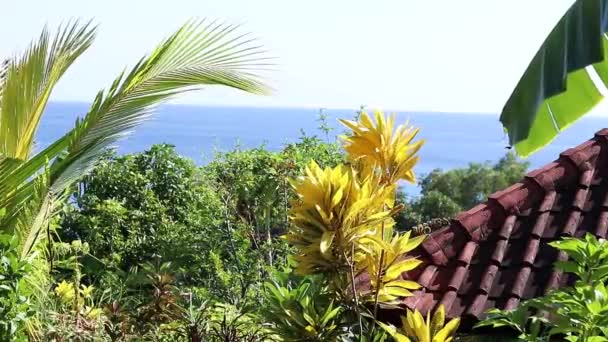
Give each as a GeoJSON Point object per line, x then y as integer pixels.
{"type": "Point", "coordinates": [416, 328]}
{"type": "Point", "coordinates": [341, 229]}
{"type": "Point", "coordinates": [33, 182]}
{"type": "Point", "coordinates": [15, 306]}
{"type": "Point", "coordinates": [563, 81]}
{"type": "Point", "coordinates": [577, 313]}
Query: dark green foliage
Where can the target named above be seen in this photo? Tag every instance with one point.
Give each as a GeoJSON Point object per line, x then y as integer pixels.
{"type": "Point", "coordinates": [445, 193]}
{"type": "Point", "coordinates": [577, 313]}
{"type": "Point", "coordinates": [14, 303]}
{"type": "Point", "coordinates": [216, 229]}
{"type": "Point", "coordinates": [163, 232]}
{"type": "Point", "coordinates": [254, 192]}
{"type": "Point", "coordinates": [253, 187]}
{"type": "Point", "coordinates": [154, 203]}
{"type": "Point", "coordinates": [302, 309]}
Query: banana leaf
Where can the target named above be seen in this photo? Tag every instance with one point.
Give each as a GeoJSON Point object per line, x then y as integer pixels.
{"type": "Point", "coordinates": [564, 80]}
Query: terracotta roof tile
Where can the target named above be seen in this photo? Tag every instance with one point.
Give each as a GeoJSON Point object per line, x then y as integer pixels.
{"type": "Point", "coordinates": [497, 253]}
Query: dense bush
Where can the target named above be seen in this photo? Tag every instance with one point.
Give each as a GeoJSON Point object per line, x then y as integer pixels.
{"type": "Point", "coordinates": [212, 232]}
{"type": "Point", "coordinates": [179, 252]}
{"type": "Point", "coordinates": [14, 304]}
{"type": "Point", "coordinates": [578, 313]}
{"type": "Point", "coordinates": [446, 193]}
{"type": "Point", "coordinates": [133, 207]}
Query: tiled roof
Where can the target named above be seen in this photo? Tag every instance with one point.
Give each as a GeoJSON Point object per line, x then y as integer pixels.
{"type": "Point", "coordinates": [497, 254]}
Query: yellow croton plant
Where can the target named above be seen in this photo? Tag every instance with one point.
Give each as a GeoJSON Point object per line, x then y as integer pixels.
{"type": "Point", "coordinates": [342, 218]}
{"type": "Point", "coordinates": [416, 328]}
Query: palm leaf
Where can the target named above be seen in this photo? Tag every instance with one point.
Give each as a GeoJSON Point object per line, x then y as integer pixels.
{"type": "Point", "coordinates": [198, 54]}
{"type": "Point", "coordinates": [559, 85]}
{"type": "Point", "coordinates": [28, 81]}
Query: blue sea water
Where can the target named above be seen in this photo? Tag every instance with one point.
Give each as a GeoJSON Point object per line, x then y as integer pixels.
{"type": "Point", "coordinates": [452, 139]}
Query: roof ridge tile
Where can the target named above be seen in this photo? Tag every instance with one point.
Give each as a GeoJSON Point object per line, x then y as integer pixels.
{"type": "Point", "coordinates": [582, 153]}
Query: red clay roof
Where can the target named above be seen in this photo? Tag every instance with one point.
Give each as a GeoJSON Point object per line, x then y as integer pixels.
{"type": "Point", "coordinates": [496, 254]}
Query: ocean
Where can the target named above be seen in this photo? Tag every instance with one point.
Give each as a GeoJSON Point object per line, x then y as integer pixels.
{"type": "Point", "coordinates": [452, 139]}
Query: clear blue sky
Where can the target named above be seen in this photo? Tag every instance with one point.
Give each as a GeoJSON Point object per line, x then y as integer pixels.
{"type": "Point", "coordinates": [441, 55]}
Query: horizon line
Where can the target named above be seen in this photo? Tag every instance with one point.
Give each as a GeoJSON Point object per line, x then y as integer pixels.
{"type": "Point", "coordinates": [332, 108]}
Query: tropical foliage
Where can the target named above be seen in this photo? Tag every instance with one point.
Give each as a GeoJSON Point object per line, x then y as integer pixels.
{"type": "Point", "coordinates": [225, 219]}
{"type": "Point", "coordinates": [342, 229]}
{"type": "Point", "coordinates": [33, 185]}
{"type": "Point", "coordinates": [15, 307]}
{"type": "Point", "coordinates": [133, 207]}
{"type": "Point", "coordinates": [302, 309]}
{"type": "Point", "coordinates": [561, 83]}
{"type": "Point", "coordinates": [227, 215]}
{"type": "Point", "coordinates": [416, 328]}
{"type": "Point", "coordinates": [577, 313]}
{"type": "Point", "coordinates": [304, 244]}
{"type": "Point", "coordinates": [443, 194]}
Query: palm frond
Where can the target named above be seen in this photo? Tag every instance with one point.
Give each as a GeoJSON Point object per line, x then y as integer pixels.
{"type": "Point", "coordinates": [34, 215]}
{"type": "Point", "coordinates": [29, 80]}
{"type": "Point", "coordinates": [198, 54]}
{"type": "Point", "coordinates": [3, 71]}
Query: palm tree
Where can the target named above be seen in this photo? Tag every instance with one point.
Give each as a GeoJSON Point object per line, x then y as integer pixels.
{"type": "Point", "coordinates": [33, 185]}
{"type": "Point", "coordinates": [563, 82]}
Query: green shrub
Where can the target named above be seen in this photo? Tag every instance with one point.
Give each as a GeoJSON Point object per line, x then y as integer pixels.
{"type": "Point", "coordinates": [133, 207]}
{"type": "Point", "coordinates": [577, 313]}
{"type": "Point", "coordinates": [443, 194]}
{"type": "Point", "coordinates": [15, 307]}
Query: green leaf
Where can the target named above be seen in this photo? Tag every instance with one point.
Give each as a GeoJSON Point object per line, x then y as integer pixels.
{"type": "Point", "coordinates": [329, 315]}
{"type": "Point", "coordinates": [556, 90]}
{"type": "Point", "coordinates": [568, 266]}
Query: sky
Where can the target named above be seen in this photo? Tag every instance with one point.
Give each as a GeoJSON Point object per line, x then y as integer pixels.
{"type": "Point", "coordinates": [417, 55]}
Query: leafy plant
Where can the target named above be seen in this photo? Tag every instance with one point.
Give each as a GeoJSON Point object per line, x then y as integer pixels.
{"type": "Point", "coordinates": [230, 324]}
{"type": "Point", "coordinates": [33, 185]}
{"type": "Point", "coordinates": [416, 328]}
{"type": "Point", "coordinates": [160, 305]}
{"type": "Point", "coordinates": [589, 258]}
{"type": "Point", "coordinates": [443, 194]}
{"type": "Point", "coordinates": [73, 313]}
{"type": "Point", "coordinates": [132, 207]}
{"type": "Point", "coordinates": [192, 320]}
{"type": "Point", "coordinates": [333, 212]}
{"type": "Point", "coordinates": [14, 303]}
{"type": "Point", "coordinates": [302, 310]}
{"type": "Point", "coordinates": [557, 89]}
{"type": "Point", "coordinates": [530, 328]}
{"type": "Point", "coordinates": [341, 228]}
{"type": "Point", "coordinates": [579, 313]}
{"type": "Point", "coordinates": [118, 324]}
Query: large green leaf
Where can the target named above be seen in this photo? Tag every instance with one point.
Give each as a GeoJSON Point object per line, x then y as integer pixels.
{"type": "Point", "coordinates": [558, 87]}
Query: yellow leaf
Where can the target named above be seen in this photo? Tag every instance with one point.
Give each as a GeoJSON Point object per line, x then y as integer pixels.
{"type": "Point", "coordinates": [397, 291]}
{"type": "Point", "coordinates": [311, 330]}
{"type": "Point", "coordinates": [406, 284]}
{"type": "Point", "coordinates": [448, 331]}
{"type": "Point", "coordinates": [420, 328]}
{"type": "Point", "coordinates": [396, 270]}
{"type": "Point", "coordinates": [407, 245]}
{"type": "Point", "coordinates": [408, 325]}
{"type": "Point", "coordinates": [326, 240]}
{"type": "Point", "coordinates": [438, 320]}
